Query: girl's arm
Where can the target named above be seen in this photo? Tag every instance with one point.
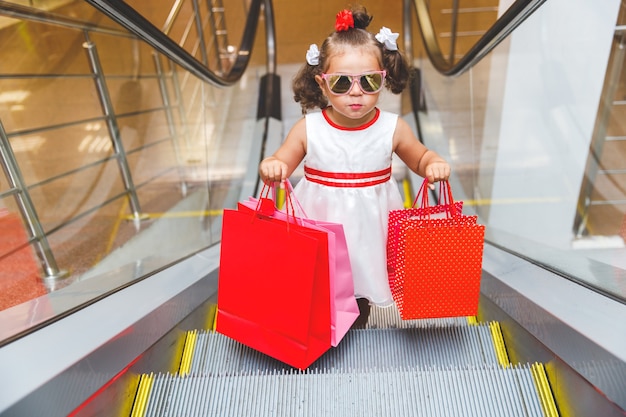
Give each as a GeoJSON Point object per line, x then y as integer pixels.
{"type": "Point", "coordinates": [286, 159]}
{"type": "Point", "coordinates": [421, 160]}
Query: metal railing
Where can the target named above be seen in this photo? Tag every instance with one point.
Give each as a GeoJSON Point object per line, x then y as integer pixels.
{"type": "Point", "coordinates": [217, 67]}
{"type": "Point", "coordinates": [18, 187]}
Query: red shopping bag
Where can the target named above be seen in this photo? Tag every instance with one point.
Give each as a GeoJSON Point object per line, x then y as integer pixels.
{"type": "Point", "coordinates": [273, 287]}
{"type": "Point", "coordinates": [440, 210]}
{"type": "Point", "coordinates": [438, 265]}
{"type": "Point", "coordinates": [343, 306]}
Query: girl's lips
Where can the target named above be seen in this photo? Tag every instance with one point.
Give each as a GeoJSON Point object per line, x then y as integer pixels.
{"type": "Point", "coordinates": [355, 106]}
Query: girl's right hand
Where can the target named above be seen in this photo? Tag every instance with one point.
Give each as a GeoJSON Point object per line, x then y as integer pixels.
{"type": "Point", "coordinates": [272, 170]}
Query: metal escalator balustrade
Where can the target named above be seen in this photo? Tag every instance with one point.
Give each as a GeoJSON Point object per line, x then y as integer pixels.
{"type": "Point", "coordinates": [434, 367]}
{"type": "Point", "coordinates": [131, 136]}
{"type": "Point", "coordinates": [528, 127]}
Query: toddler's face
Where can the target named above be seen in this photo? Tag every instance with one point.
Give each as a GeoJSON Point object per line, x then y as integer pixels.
{"type": "Point", "coordinates": [355, 107]}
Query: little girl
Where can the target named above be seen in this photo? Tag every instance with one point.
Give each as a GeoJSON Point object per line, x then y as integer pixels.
{"type": "Point", "coordinates": [349, 144]}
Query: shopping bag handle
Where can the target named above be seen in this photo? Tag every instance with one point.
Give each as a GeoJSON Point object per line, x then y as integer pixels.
{"type": "Point", "coordinates": [265, 204]}
{"type": "Point", "coordinates": [445, 195]}
{"type": "Point", "coordinates": [268, 195]}
{"type": "Point", "coordinates": [445, 198]}
{"type": "Point", "coordinates": [294, 200]}
{"type": "Point", "coordinates": [291, 201]}
{"type": "Point", "coordinates": [423, 190]}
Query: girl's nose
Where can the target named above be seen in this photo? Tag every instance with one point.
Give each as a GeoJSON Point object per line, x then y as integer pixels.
{"type": "Point", "coordinates": [355, 88]}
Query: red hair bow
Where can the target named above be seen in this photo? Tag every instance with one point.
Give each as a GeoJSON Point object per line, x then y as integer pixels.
{"type": "Point", "coordinates": [344, 21]}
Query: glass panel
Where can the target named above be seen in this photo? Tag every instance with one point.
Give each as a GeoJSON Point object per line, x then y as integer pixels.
{"type": "Point", "coordinates": [132, 96]}
{"type": "Point", "coordinates": [81, 245]}
{"type": "Point", "coordinates": [457, 31]}
{"type": "Point", "coordinates": [57, 201]}
{"type": "Point", "coordinates": [520, 131]}
{"type": "Point", "coordinates": [123, 57]}
{"type": "Point", "coordinates": [49, 50]}
{"type": "Point", "coordinates": [152, 162]}
{"type": "Point", "coordinates": [59, 151]}
{"type": "Point", "coordinates": [4, 186]}
{"type": "Point", "coordinates": [104, 184]}
{"type": "Point", "coordinates": [27, 98]}
{"type": "Point", "coordinates": [8, 203]}
{"type": "Point", "coordinates": [20, 273]}
{"type": "Point", "coordinates": [157, 13]}
{"type": "Point", "coordinates": [67, 8]}
{"type": "Point", "coordinates": [143, 129]}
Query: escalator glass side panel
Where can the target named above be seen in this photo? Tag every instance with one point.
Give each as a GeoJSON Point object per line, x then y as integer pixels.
{"type": "Point", "coordinates": [519, 128]}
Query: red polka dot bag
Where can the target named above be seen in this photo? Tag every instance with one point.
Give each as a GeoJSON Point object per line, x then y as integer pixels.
{"type": "Point", "coordinates": [438, 263]}
{"type": "Point", "coordinates": [395, 216]}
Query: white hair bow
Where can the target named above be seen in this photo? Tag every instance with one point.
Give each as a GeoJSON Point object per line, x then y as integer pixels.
{"type": "Point", "coordinates": [313, 55]}
{"type": "Point", "coordinates": [388, 39]}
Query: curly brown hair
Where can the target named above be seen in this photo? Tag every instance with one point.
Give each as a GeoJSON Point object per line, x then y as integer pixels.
{"type": "Point", "coordinates": [309, 94]}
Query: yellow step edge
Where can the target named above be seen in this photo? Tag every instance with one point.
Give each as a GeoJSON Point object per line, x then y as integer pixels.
{"type": "Point", "coordinates": [143, 394]}
{"type": "Point", "coordinates": [542, 385]}
{"type": "Point", "coordinates": [212, 317]}
{"type": "Point", "coordinates": [190, 344]}
{"type": "Point", "coordinates": [472, 320]}
{"type": "Point", "coordinates": [498, 343]}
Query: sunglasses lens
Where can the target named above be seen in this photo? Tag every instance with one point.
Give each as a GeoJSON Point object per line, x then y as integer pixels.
{"type": "Point", "coordinates": [370, 83]}
{"type": "Point", "coordinates": [339, 84]}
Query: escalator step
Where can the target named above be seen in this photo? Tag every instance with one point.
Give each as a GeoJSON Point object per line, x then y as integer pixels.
{"type": "Point", "coordinates": [468, 391]}
{"type": "Point", "coordinates": [215, 353]}
{"type": "Point", "coordinates": [383, 318]}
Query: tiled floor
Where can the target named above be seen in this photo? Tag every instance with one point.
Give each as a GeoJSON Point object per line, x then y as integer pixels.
{"type": "Point", "coordinates": [19, 272]}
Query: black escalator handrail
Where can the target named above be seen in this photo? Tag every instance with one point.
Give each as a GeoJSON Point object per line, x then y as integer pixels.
{"type": "Point", "coordinates": [133, 21]}
{"type": "Point", "coordinates": [511, 19]}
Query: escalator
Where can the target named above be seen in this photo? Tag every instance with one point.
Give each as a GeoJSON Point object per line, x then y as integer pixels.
{"type": "Point", "coordinates": [394, 367]}
{"type": "Point", "coordinates": [489, 365]}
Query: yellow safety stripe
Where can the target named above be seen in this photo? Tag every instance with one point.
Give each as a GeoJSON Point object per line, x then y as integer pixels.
{"type": "Point", "coordinates": [406, 186]}
{"type": "Point", "coordinates": [116, 227]}
{"type": "Point", "coordinates": [520, 200]}
{"type": "Point", "coordinates": [143, 394]}
{"type": "Point", "coordinates": [472, 320]}
{"type": "Point", "coordinates": [280, 197]}
{"type": "Point", "coordinates": [190, 344]}
{"type": "Point", "coordinates": [177, 214]}
{"type": "Point", "coordinates": [548, 405]}
{"type": "Point", "coordinates": [498, 343]}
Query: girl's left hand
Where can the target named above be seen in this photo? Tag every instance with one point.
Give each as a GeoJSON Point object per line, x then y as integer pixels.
{"type": "Point", "coordinates": [437, 171]}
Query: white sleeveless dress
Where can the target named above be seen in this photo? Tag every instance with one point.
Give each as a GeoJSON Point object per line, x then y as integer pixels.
{"type": "Point", "coordinates": [348, 180]}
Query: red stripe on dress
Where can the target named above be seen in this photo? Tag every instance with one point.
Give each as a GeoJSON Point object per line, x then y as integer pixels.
{"type": "Point", "coordinates": [311, 174]}
{"type": "Point", "coordinates": [347, 175]}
